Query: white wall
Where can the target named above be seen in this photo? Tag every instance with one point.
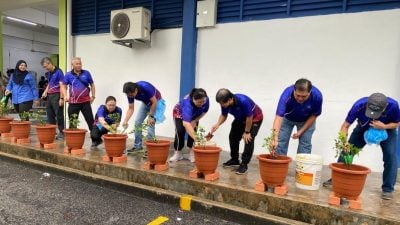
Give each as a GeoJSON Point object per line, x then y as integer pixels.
{"type": "Point", "coordinates": [346, 56]}
{"type": "Point", "coordinates": [112, 65]}
{"type": "Point", "coordinates": [28, 45]}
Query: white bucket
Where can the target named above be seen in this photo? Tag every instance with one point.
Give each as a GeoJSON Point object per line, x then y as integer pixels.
{"type": "Point", "coordinates": [308, 171]}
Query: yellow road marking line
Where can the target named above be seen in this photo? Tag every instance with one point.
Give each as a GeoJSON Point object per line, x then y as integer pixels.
{"type": "Point", "coordinates": [158, 221]}
{"type": "Point", "coordinates": [185, 202]}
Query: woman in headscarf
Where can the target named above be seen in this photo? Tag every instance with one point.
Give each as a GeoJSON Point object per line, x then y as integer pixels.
{"type": "Point", "coordinates": [23, 88]}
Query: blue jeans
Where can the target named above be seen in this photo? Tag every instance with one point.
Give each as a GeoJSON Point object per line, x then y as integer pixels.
{"type": "Point", "coordinates": [141, 116]}
{"type": "Point", "coordinates": [388, 147]}
{"type": "Point", "coordinates": [286, 132]}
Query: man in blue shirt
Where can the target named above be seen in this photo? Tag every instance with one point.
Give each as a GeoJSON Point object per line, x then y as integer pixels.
{"type": "Point", "coordinates": [299, 105]}
{"type": "Point", "coordinates": [248, 119]}
{"type": "Point", "coordinates": [55, 100]}
{"type": "Point", "coordinates": [80, 84]}
{"type": "Point", "coordinates": [151, 99]}
{"type": "Point", "coordinates": [380, 112]}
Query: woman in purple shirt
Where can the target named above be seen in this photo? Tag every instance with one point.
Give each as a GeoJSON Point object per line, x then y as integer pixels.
{"type": "Point", "coordinates": [187, 114]}
{"type": "Point", "coordinates": [107, 118]}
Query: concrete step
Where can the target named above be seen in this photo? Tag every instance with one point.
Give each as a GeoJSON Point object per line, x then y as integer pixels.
{"type": "Point", "coordinates": [226, 195]}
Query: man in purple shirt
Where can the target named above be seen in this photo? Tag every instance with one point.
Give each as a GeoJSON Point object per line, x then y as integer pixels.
{"type": "Point", "coordinates": [248, 118]}
{"type": "Point", "coordinates": [151, 99]}
{"type": "Point", "coordinates": [382, 113]}
{"type": "Point", "coordinates": [299, 105]}
{"type": "Point", "coordinates": [80, 83]}
{"type": "Point", "coordinates": [55, 100]}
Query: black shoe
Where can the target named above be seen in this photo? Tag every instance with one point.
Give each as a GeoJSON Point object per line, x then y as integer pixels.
{"type": "Point", "coordinates": [231, 163]}
{"type": "Point", "coordinates": [131, 150]}
{"type": "Point", "coordinates": [96, 143]}
{"type": "Point", "coordinates": [328, 183]}
{"type": "Point", "coordinates": [242, 169]}
{"type": "Point", "coordinates": [60, 136]}
{"type": "Point", "coordinates": [134, 150]}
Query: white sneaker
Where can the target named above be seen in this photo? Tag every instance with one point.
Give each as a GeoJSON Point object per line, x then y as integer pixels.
{"type": "Point", "coordinates": [191, 156]}
{"type": "Point", "coordinates": [176, 157]}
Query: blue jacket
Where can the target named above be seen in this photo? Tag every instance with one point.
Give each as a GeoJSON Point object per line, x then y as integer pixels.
{"type": "Point", "coordinates": [25, 92]}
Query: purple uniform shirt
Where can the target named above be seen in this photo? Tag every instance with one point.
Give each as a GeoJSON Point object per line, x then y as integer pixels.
{"type": "Point", "coordinates": [54, 79]}
{"type": "Point", "coordinates": [242, 108]}
{"type": "Point", "coordinates": [145, 93]}
{"type": "Point", "coordinates": [357, 112]}
{"type": "Point", "coordinates": [103, 112]}
{"type": "Point", "coordinates": [289, 108]}
{"type": "Point", "coordinates": [79, 86]}
{"type": "Point", "coordinates": [186, 109]}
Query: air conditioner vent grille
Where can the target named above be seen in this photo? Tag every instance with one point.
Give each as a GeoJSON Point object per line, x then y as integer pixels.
{"type": "Point", "coordinates": [120, 25]}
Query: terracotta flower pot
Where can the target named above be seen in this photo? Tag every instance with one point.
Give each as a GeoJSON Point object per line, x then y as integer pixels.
{"type": "Point", "coordinates": [74, 138]}
{"type": "Point", "coordinates": [206, 158]}
{"type": "Point", "coordinates": [348, 181]}
{"type": "Point", "coordinates": [273, 172]}
{"type": "Point", "coordinates": [157, 152]}
{"type": "Point", "coordinates": [115, 144]}
{"type": "Point", "coordinates": [5, 126]}
{"type": "Point", "coordinates": [46, 133]}
{"type": "Point", "coordinates": [20, 129]}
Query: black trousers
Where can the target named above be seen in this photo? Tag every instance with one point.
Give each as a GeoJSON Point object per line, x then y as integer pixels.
{"type": "Point", "coordinates": [86, 109]}
{"type": "Point", "coordinates": [23, 107]}
{"type": "Point", "coordinates": [97, 133]}
{"type": "Point", "coordinates": [180, 132]}
{"type": "Point", "coordinates": [235, 136]}
{"type": "Point", "coordinates": [55, 112]}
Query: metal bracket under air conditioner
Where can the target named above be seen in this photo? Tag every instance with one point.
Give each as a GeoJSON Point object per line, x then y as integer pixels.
{"type": "Point", "coordinates": [132, 43]}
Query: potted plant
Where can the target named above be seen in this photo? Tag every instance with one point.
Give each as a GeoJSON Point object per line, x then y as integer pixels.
{"type": "Point", "coordinates": [74, 137]}
{"type": "Point", "coordinates": [157, 150]}
{"type": "Point", "coordinates": [114, 141]}
{"type": "Point", "coordinates": [20, 129]}
{"type": "Point", "coordinates": [45, 132]}
{"type": "Point", "coordinates": [348, 179]}
{"type": "Point", "coordinates": [5, 120]}
{"type": "Point", "coordinates": [273, 168]}
{"type": "Point", "coordinates": [206, 156]}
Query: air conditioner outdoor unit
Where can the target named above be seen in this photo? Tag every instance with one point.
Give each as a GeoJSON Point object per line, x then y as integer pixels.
{"type": "Point", "coordinates": [129, 25]}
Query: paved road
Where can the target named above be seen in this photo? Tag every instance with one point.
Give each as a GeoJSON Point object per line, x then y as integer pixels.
{"type": "Point", "coordinates": [28, 196]}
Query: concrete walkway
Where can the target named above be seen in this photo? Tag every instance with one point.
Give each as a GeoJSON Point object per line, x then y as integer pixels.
{"type": "Point", "coordinates": [231, 193]}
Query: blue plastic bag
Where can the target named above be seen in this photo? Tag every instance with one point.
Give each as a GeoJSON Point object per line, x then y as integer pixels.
{"type": "Point", "coordinates": [375, 136]}
{"type": "Point", "coordinates": [160, 110]}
